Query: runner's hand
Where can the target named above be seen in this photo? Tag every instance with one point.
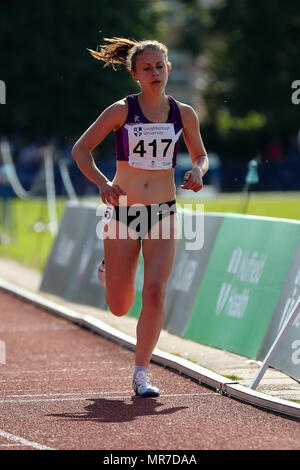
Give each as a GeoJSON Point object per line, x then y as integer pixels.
{"type": "Point", "coordinates": [110, 193]}
{"type": "Point", "coordinates": [193, 180]}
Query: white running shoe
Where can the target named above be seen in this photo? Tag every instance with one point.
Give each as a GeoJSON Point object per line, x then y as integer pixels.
{"type": "Point", "coordinates": [102, 274]}
{"type": "Point", "coordinates": [144, 388]}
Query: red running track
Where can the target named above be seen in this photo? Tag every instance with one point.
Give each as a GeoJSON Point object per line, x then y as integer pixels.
{"type": "Point", "coordinates": [64, 387]}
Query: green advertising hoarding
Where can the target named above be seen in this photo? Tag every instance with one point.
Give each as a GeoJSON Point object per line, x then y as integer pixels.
{"type": "Point", "coordinates": [84, 285]}
{"type": "Point", "coordinates": [71, 271]}
{"type": "Point", "coordinates": [242, 283]}
{"type": "Point", "coordinates": [64, 259]}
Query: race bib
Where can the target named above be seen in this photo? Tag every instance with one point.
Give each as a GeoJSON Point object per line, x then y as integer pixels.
{"type": "Point", "coordinates": [108, 214]}
{"type": "Point", "coordinates": [151, 146]}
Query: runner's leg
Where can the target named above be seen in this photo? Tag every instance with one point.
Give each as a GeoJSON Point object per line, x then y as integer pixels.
{"type": "Point", "coordinates": [159, 255]}
{"type": "Point", "coordinates": [121, 261]}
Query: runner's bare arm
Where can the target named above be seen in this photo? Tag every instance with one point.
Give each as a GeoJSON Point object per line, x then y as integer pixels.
{"type": "Point", "coordinates": [111, 119]}
{"type": "Point", "coordinates": [195, 146]}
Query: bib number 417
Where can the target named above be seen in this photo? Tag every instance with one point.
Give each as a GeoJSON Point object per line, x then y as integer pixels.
{"type": "Point", "coordinates": [140, 147]}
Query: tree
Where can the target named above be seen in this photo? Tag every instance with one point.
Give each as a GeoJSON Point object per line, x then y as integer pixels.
{"type": "Point", "coordinates": [255, 60]}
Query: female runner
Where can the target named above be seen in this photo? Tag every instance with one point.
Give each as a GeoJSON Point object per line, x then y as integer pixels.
{"type": "Point", "coordinates": [141, 198]}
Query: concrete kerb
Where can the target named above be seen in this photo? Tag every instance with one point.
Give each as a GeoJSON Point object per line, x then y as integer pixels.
{"type": "Point", "coordinates": [221, 384]}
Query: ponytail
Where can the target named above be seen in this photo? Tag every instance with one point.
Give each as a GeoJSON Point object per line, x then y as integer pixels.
{"type": "Point", "coordinates": [115, 53]}
{"type": "Point", "coordinates": [122, 51]}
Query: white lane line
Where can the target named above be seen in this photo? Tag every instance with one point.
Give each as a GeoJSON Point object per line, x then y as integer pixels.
{"type": "Point", "coordinates": [73, 394]}
{"type": "Point", "coordinates": [22, 441]}
{"type": "Point", "coordinates": [39, 371]}
{"type": "Point", "coordinates": [190, 394]}
{"type": "Point", "coordinates": [97, 396]}
{"type": "Point", "coordinates": [11, 445]}
{"type": "Point", "coordinates": [38, 327]}
{"type": "Point", "coordinates": [17, 371]}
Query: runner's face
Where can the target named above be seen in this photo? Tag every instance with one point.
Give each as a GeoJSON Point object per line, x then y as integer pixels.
{"type": "Point", "coordinates": [151, 69]}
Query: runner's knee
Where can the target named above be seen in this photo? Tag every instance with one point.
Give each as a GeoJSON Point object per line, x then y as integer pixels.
{"type": "Point", "coordinates": [119, 307]}
{"type": "Point", "coordinates": [118, 311]}
{"type": "Point", "coordinates": [154, 294]}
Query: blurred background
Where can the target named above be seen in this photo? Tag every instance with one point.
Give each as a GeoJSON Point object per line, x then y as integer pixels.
{"type": "Point", "coordinates": [236, 62]}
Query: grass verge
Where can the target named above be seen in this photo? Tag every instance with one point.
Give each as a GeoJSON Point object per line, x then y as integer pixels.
{"type": "Point", "coordinates": [23, 223]}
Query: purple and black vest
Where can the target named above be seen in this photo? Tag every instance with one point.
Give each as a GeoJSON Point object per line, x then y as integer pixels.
{"type": "Point", "coordinates": [145, 144]}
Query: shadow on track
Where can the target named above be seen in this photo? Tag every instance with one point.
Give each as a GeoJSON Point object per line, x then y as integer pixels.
{"type": "Point", "coordinates": [105, 410]}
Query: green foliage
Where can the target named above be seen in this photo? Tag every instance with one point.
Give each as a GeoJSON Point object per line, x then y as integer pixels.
{"type": "Point", "coordinates": [255, 60]}
{"type": "Point", "coordinates": [227, 123]}
{"type": "Point", "coordinates": [194, 35]}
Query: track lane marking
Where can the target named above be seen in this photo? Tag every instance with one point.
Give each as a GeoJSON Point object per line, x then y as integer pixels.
{"type": "Point", "coordinates": [102, 395]}
{"type": "Point", "coordinates": [22, 441]}
{"type": "Point", "coordinates": [11, 445]}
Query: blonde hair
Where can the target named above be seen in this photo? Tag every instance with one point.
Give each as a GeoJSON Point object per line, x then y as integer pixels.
{"type": "Point", "coordinates": [122, 51]}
